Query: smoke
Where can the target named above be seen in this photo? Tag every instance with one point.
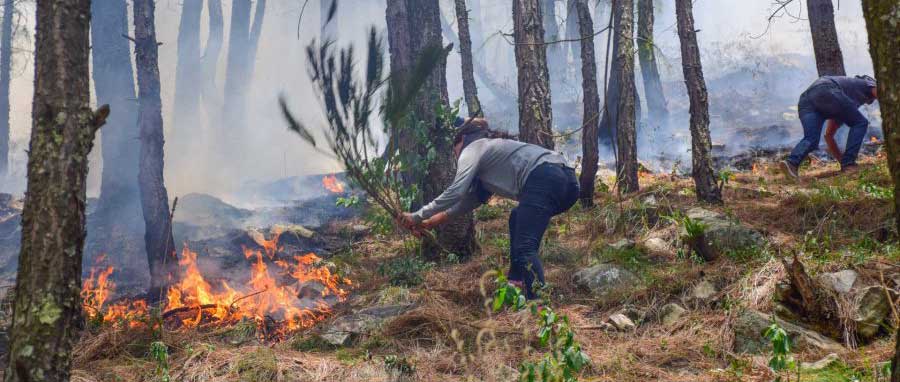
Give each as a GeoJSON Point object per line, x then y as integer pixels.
{"type": "Point", "coordinates": [769, 71]}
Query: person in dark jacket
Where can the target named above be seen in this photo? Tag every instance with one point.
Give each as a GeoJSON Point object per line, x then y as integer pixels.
{"type": "Point", "coordinates": [835, 99]}
{"type": "Point", "coordinates": [539, 179]}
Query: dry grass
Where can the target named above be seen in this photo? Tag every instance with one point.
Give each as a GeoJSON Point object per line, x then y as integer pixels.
{"type": "Point", "coordinates": [452, 335]}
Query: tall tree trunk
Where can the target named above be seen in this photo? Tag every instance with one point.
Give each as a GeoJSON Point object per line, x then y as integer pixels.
{"type": "Point", "coordinates": [829, 59]}
{"type": "Point", "coordinates": [884, 47]}
{"type": "Point", "coordinates": [236, 69]}
{"type": "Point", "coordinates": [535, 114]}
{"type": "Point", "coordinates": [613, 88]}
{"type": "Point", "coordinates": [114, 85]}
{"type": "Point", "coordinates": [465, 53]}
{"type": "Point", "coordinates": [6, 38]}
{"type": "Point", "coordinates": [188, 69]}
{"type": "Point", "coordinates": [209, 63]}
{"type": "Point", "coordinates": [573, 27]}
{"type": "Point", "coordinates": [48, 303]}
{"type": "Point", "coordinates": [329, 28]}
{"type": "Point", "coordinates": [653, 91]}
{"type": "Point", "coordinates": [154, 198]}
{"type": "Point", "coordinates": [626, 124]}
{"type": "Point", "coordinates": [496, 88]}
{"type": "Point", "coordinates": [701, 144]}
{"type": "Point", "coordinates": [591, 119]}
{"type": "Point", "coordinates": [413, 26]}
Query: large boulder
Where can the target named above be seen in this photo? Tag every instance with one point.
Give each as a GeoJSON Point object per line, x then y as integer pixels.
{"type": "Point", "coordinates": [602, 279]}
{"type": "Point", "coordinates": [346, 329]}
{"type": "Point", "coordinates": [872, 309]}
{"type": "Point", "coordinates": [723, 235]}
{"type": "Point", "coordinates": [750, 325]}
{"type": "Point", "coordinates": [839, 282]}
{"type": "Point", "coordinates": [658, 247]}
{"type": "Point", "coordinates": [671, 313]}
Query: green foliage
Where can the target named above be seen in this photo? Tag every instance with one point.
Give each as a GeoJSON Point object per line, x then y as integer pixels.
{"type": "Point", "coordinates": [350, 202]}
{"type": "Point", "coordinates": [631, 258]}
{"type": "Point", "coordinates": [259, 365]}
{"type": "Point", "coordinates": [159, 352]}
{"type": "Point", "coordinates": [407, 271]}
{"type": "Point", "coordinates": [399, 366]}
{"type": "Point", "coordinates": [781, 359]}
{"type": "Point", "coordinates": [694, 228]}
{"type": "Point", "coordinates": [563, 358]}
{"type": "Point", "coordinates": [488, 212]}
{"type": "Point", "coordinates": [725, 176]}
{"type": "Point", "coordinates": [309, 343]}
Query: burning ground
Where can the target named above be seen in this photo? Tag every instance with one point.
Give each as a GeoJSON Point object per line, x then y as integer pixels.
{"type": "Point", "coordinates": [363, 307]}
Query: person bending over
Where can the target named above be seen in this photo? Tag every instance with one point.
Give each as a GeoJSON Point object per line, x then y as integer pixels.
{"type": "Point", "coordinates": [539, 179]}
{"type": "Point", "coordinates": [835, 99]}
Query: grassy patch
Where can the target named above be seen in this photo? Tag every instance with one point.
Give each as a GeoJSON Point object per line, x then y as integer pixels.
{"type": "Point", "coordinates": [257, 366]}
{"type": "Point", "coordinates": [488, 212]}
{"type": "Point", "coordinates": [407, 271]}
{"type": "Point", "coordinates": [309, 343]}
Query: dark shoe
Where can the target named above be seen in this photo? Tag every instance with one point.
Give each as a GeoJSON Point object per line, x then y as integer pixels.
{"type": "Point", "coordinates": [789, 170]}
{"type": "Point", "coordinates": [850, 169]}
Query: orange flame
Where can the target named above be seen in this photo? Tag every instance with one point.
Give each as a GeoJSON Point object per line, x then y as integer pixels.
{"type": "Point", "coordinates": [331, 183]}
{"type": "Point", "coordinates": [270, 293]}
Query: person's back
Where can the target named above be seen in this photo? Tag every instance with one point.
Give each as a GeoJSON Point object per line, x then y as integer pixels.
{"type": "Point", "coordinates": [859, 88]}
{"type": "Point", "coordinates": [503, 165]}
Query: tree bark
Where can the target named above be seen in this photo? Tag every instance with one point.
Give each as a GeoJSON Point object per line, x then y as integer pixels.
{"type": "Point", "coordinates": [188, 69]}
{"type": "Point", "coordinates": [653, 91]}
{"type": "Point", "coordinates": [496, 88]}
{"type": "Point", "coordinates": [613, 88]}
{"type": "Point", "coordinates": [413, 26]}
{"type": "Point", "coordinates": [6, 38]}
{"type": "Point", "coordinates": [535, 114]}
{"type": "Point", "coordinates": [882, 17]}
{"type": "Point", "coordinates": [210, 62]}
{"type": "Point", "coordinates": [701, 144]}
{"type": "Point", "coordinates": [47, 307]}
{"type": "Point", "coordinates": [829, 59]}
{"type": "Point", "coordinates": [465, 52]}
{"type": "Point", "coordinates": [154, 199]}
{"type": "Point", "coordinates": [591, 119]}
{"type": "Point", "coordinates": [626, 124]}
{"type": "Point", "coordinates": [114, 85]}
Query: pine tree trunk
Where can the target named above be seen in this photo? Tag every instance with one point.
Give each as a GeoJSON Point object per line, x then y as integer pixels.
{"type": "Point", "coordinates": [611, 98]}
{"type": "Point", "coordinates": [701, 144]}
{"type": "Point", "coordinates": [236, 69]}
{"type": "Point", "coordinates": [829, 59]}
{"type": "Point", "coordinates": [210, 62]}
{"type": "Point", "coordinates": [465, 52]}
{"type": "Point", "coordinates": [47, 308]}
{"type": "Point", "coordinates": [6, 34]}
{"type": "Point", "coordinates": [653, 91]}
{"type": "Point", "coordinates": [413, 26]}
{"type": "Point", "coordinates": [626, 124]}
{"type": "Point", "coordinates": [188, 70]}
{"type": "Point", "coordinates": [882, 17]}
{"type": "Point", "coordinates": [591, 119]}
{"type": "Point", "coordinates": [496, 88]}
{"type": "Point", "coordinates": [573, 27]}
{"type": "Point", "coordinates": [154, 198]}
{"type": "Point", "coordinates": [535, 114]}
{"type": "Point", "coordinates": [114, 85]}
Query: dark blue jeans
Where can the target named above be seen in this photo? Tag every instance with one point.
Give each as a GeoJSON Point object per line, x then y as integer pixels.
{"type": "Point", "coordinates": [550, 190]}
{"type": "Point", "coordinates": [827, 101]}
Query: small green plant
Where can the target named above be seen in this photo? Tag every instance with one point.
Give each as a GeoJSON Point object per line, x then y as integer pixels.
{"type": "Point", "coordinates": [407, 271]}
{"type": "Point", "coordinates": [488, 212]}
{"type": "Point", "coordinates": [159, 352]}
{"type": "Point", "coordinates": [563, 359]}
{"type": "Point", "coordinates": [349, 202]}
{"type": "Point", "coordinates": [399, 368]}
{"type": "Point", "coordinates": [725, 176]}
{"type": "Point", "coordinates": [781, 360]}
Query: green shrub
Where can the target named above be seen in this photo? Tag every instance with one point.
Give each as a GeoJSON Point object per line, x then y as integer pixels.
{"type": "Point", "coordinates": [407, 271]}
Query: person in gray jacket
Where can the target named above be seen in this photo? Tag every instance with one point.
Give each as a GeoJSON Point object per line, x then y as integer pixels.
{"type": "Point", "coordinates": [539, 179]}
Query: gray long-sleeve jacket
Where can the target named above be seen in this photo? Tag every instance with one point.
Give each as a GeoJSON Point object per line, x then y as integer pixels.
{"type": "Point", "coordinates": [502, 166]}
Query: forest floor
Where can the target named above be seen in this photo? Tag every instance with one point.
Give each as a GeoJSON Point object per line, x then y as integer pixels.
{"type": "Point", "coordinates": [448, 332]}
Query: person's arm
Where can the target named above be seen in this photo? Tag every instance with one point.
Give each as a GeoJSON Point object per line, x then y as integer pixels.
{"type": "Point", "coordinates": [467, 168]}
{"type": "Point", "coordinates": [467, 204]}
{"type": "Point", "coordinates": [831, 127]}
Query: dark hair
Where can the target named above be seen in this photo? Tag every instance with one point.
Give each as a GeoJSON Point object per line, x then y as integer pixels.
{"type": "Point", "coordinates": [474, 129]}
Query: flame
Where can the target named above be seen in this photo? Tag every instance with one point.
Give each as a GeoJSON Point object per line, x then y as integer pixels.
{"type": "Point", "coordinates": [331, 183]}
{"type": "Point", "coordinates": [271, 294]}
{"type": "Point", "coordinates": [755, 168]}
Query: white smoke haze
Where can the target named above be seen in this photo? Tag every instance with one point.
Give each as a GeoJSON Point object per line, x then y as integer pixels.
{"type": "Point", "coordinates": [775, 66]}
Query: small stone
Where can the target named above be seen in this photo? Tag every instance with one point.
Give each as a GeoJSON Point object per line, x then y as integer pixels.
{"type": "Point", "coordinates": [603, 279]}
{"type": "Point", "coordinates": [840, 282]}
{"type": "Point", "coordinates": [622, 322]}
{"type": "Point", "coordinates": [820, 364]}
{"type": "Point", "coordinates": [622, 245]}
{"type": "Point", "coordinates": [658, 247]}
{"type": "Point", "coordinates": [670, 313]}
{"type": "Point", "coordinates": [360, 229]}
{"type": "Point", "coordinates": [704, 291]}
{"type": "Point", "coordinates": [636, 315]}
{"type": "Point", "coordinates": [750, 324]}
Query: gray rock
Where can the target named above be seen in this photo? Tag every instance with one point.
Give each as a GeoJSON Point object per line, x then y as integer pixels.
{"type": "Point", "coordinates": [601, 279]}
{"type": "Point", "coordinates": [839, 282]}
{"type": "Point", "coordinates": [724, 235]}
{"type": "Point", "coordinates": [360, 229]}
{"type": "Point", "coordinates": [820, 364]}
{"type": "Point", "coordinates": [670, 313]}
{"type": "Point", "coordinates": [703, 291]}
{"type": "Point", "coordinates": [750, 325]}
{"type": "Point", "coordinates": [622, 322]}
{"type": "Point", "coordinates": [344, 330]}
{"type": "Point", "coordinates": [658, 247]}
{"type": "Point", "coordinates": [871, 311]}
{"type": "Point", "coordinates": [636, 315]}
{"type": "Point", "coordinates": [621, 245]}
